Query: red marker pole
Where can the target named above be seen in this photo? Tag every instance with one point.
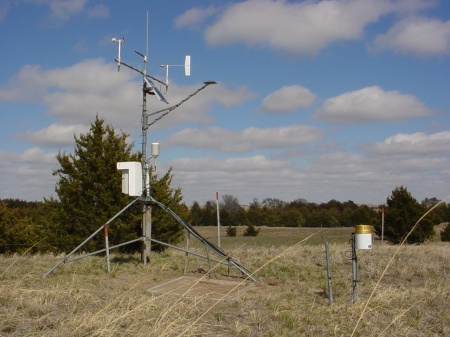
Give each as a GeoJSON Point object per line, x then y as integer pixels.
{"type": "Point", "coordinates": [218, 219]}
{"type": "Point", "coordinates": [382, 225]}
{"type": "Point", "coordinates": [105, 231]}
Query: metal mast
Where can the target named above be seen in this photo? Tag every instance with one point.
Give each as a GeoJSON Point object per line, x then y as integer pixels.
{"type": "Point", "coordinates": [146, 209]}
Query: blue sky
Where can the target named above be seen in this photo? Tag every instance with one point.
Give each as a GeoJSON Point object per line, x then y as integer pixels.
{"type": "Point", "coordinates": [321, 100]}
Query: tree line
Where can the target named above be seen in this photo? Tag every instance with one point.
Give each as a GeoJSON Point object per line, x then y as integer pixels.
{"type": "Point", "coordinates": [402, 211]}
{"type": "Point", "coordinates": [89, 194]}
{"type": "Point", "coordinates": [273, 212]}
{"type": "Point", "coordinates": [30, 225]}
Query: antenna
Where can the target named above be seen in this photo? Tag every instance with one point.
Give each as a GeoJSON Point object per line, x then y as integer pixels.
{"type": "Point", "coordinates": [146, 42]}
{"type": "Point", "coordinates": [186, 65]}
{"type": "Point", "coordinates": [119, 41]}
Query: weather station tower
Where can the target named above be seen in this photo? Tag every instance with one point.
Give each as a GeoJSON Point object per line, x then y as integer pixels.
{"type": "Point", "coordinates": [136, 175]}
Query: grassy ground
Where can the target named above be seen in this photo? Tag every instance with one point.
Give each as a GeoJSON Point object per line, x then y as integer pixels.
{"type": "Point", "coordinates": [278, 236]}
{"type": "Point", "coordinates": [402, 291]}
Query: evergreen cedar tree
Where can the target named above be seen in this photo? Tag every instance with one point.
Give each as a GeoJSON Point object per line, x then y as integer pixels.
{"type": "Point", "coordinates": [17, 233]}
{"type": "Point", "coordinates": [24, 227]}
{"type": "Point", "coordinates": [90, 193]}
{"type": "Point", "coordinates": [402, 212]}
{"type": "Point", "coordinates": [231, 231]}
{"type": "Point", "coordinates": [251, 231]}
{"type": "Point", "coordinates": [445, 233]}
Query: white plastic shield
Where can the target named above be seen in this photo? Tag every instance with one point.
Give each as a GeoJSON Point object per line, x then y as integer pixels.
{"type": "Point", "coordinates": [131, 177]}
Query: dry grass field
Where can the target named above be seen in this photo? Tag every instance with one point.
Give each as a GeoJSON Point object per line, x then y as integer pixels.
{"type": "Point", "coordinates": [402, 291]}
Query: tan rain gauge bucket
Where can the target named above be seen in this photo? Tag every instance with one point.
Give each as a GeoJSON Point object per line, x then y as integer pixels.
{"type": "Point", "coordinates": [363, 237]}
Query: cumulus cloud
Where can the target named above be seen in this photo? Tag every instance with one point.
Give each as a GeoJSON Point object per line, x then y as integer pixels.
{"type": "Point", "coordinates": [24, 86]}
{"type": "Point", "coordinates": [194, 16]}
{"type": "Point", "coordinates": [230, 164]}
{"type": "Point", "coordinates": [311, 25]}
{"type": "Point", "coordinates": [337, 175]}
{"type": "Point", "coordinates": [202, 177]}
{"type": "Point", "coordinates": [371, 104]}
{"type": "Point", "coordinates": [98, 11]}
{"type": "Point", "coordinates": [246, 140]}
{"type": "Point", "coordinates": [4, 9]}
{"type": "Point", "coordinates": [55, 135]}
{"type": "Point", "coordinates": [89, 75]}
{"type": "Point", "coordinates": [419, 143]}
{"type": "Point", "coordinates": [340, 170]}
{"type": "Point", "coordinates": [36, 155]}
{"type": "Point", "coordinates": [230, 96]}
{"type": "Point", "coordinates": [76, 94]}
{"type": "Point", "coordinates": [28, 173]}
{"type": "Point", "coordinates": [288, 98]}
{"type": "Point", "coordinates": [64, 10]}
{"type": "Point", "coordinates": [417, 36]}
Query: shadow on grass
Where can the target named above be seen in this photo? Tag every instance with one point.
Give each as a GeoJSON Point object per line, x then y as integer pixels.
{"type": "Point", "coordinates": [134, 259]}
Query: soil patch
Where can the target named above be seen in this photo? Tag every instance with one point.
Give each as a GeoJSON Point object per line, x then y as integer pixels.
{"type": "Point", "coordinates": [188, 286]}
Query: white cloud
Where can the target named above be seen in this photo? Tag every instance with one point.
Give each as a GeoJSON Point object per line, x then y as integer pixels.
{"type": "Point", "coordinates": [376, 175]}
{"type": "Point", "coordinates": [288, 98]}
{"type": "Point", "coordinates": [249, 139]}
{"type": "Point", "coordinates": [27, 175]}
{"type": "Point", "coordinates": [98, 11]}
{"type": "Point", "coordinates": [89, 75]}
{"type": "Point", "coordinates": [64, 9]}
{"type": "Point", "coordinates": [332, 175]}
{"type": "Point", "coordinates": [55, 135]}
{"type": "Point", "coordinates": [36, 155]}
{"type": "Point", "coordinates": [4, 9]}
{"type": "Point", "coordinates": [25, 86]}
{"type": "Point", "coordinates": [418, 144]}
{"type": "Point", "coordinates": [200, 178]}
{"type": "Point", "coordinates": [371, 104]}
{"type": "Point", "coordinates": [417, 36]}
{"type": "Point", "coordinates": [75, 95]}
{"type": "Point", "coordinates": [230, 97]}
{"type": "Point", "coordinates": [232, 165]}
{"type": "Point", "coordinates": [300, 27]}
{"type": "Point", "coordinates": [194, 16]}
